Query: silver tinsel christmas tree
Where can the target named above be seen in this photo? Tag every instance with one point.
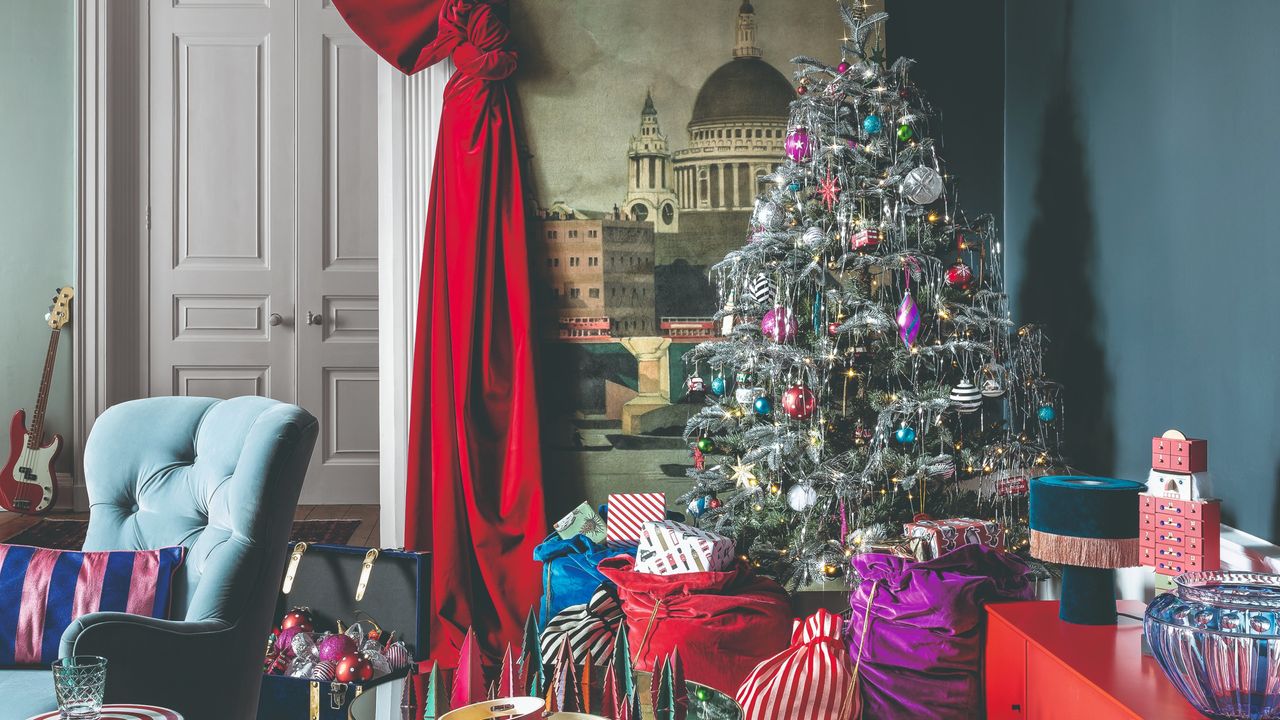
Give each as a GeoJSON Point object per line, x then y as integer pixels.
{"type": "Point", "coordinates": [869, 370]}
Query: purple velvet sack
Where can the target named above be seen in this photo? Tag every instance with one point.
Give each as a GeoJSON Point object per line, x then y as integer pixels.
{"type": "Point", "coordinates": [922, 657]}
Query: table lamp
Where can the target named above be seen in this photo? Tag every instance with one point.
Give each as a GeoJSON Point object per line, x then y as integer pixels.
{"type": "Point", "coordinates": [1089, 525]}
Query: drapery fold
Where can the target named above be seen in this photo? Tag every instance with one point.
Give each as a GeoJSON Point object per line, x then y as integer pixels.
{"type": "Point", "coordinates": [475, 497]}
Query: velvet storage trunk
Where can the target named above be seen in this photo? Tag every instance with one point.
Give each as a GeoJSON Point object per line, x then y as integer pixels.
{"type": "Point", "coordinates": [325, 581]}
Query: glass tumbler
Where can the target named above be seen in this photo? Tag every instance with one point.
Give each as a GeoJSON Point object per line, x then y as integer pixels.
{"type": "Point", "coordinates": [79, 683]}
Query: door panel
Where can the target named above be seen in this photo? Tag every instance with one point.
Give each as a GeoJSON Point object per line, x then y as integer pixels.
{"type": "Point", "coordinates": [264, 220]}
{"type": "Point", "coordinates": [221, 250]}
{"type": "Point", "coordinates": [337, 254]}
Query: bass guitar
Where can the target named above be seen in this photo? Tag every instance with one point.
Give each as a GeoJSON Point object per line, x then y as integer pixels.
{"type": "Point", "coordinates": [28, 483]}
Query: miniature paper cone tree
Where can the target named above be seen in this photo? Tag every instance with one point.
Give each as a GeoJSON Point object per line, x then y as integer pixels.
{"type": "Point", "coordinates": [679, 688]}
{"type": "Point", "coordinates": [468, 683]}
{"type": "Point", "coordinates": [585, 684]}
{"type": "Point", "coordinates": [507, 680]}
{"type": "Point", "coordinates": [433, 703]}
{"type": "Point", "coordinates": [566, 682]}
{"type": "Point", "coordinates": [533, 671]}
{"type": "Point", "coordinates": [610, 698]}
{"type": "Point", "coordinates": [655, 689]}
{"type": "Point", "coordinates": [623, 671]}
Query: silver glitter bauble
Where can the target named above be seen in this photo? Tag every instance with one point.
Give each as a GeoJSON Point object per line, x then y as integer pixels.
{"type": "Point", "coordinates": [922, 185]}
{"type": "Point", "coordinates": [768, 215]}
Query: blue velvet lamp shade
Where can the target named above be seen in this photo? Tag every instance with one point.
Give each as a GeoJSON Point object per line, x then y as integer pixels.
{"type": "Point", "coordinates": [1089, 525]}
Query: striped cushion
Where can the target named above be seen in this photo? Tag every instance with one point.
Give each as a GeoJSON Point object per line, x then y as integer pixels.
{"type": "Point", "coordinates": [42, 591]}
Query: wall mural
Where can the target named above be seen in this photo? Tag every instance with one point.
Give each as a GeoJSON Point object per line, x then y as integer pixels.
{"type": "Point", "coordinates": [648, 126]}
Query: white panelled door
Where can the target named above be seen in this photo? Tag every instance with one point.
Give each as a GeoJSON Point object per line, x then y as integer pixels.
{"type": "Point", "coordinates": [262, 252]}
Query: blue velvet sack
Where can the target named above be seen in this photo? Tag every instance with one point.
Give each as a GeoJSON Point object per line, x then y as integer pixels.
{"type": "Point", "coordinates": [569, 574]}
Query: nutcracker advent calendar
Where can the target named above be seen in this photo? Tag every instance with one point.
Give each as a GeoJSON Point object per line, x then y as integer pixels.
{"type": "Point", "coordinates": [1180, 525]}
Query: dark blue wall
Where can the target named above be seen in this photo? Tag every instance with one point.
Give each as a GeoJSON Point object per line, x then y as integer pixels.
{"type": "Point", "coordinates": [962, 76]}
{"type": "Point", "coordinates": [1140, 212]}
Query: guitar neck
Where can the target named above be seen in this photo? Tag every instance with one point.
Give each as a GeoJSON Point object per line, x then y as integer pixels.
{"type": "Point", "coordinates": [36, 438]}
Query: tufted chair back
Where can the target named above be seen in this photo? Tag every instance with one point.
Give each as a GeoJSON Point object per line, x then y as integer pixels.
{"type": "Point", "coordinates": [220, 477]}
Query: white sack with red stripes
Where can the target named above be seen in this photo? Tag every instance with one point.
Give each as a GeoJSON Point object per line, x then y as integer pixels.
{"type": "Point", "coordinates": [811, 680]}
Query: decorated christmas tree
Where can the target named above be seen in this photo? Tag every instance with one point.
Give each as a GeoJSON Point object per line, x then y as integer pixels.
{"type": "Point", "coordinates": [869, 370]}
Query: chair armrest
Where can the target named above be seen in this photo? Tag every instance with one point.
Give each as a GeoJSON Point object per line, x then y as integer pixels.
{"type": "Point", "coordinates": [170, 663]}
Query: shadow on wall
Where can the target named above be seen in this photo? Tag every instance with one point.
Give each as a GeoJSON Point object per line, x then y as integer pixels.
{"type": "Point", "coordinates": [1057, 281]}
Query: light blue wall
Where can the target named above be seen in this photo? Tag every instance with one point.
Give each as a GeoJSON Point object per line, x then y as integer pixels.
{"type": "Point", "coordinates": [37, 197]}
{"type": "Point", "coordinates": [1158, 207]}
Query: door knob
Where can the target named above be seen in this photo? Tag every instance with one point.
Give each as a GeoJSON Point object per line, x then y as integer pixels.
{"type": "Point", "coordinates": [275, 319]}
{"type": "Point", "coordinates": [314, 319]}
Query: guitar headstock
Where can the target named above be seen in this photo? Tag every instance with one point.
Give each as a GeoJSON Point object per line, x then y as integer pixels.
{"type": "Point", "coordinates": [60, 311]}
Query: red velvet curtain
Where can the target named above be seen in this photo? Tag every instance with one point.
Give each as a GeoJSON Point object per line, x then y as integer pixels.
{"type": "Point", "coordinates": [475, 494]}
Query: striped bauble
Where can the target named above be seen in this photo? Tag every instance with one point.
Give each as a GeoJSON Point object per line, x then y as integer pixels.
{"type": "Point", "coordinates": [761, 289]}
{"type": "Point", "coordinates": [324, 670]}
{"type": "Point", "coordinates": [398, 655]}
{"type": "Point", "coordinates": [966, 397]}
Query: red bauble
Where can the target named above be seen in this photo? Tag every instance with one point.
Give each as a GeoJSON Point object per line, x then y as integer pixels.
{"type": "Point", "coordinates": [801, 89]}
{"type": "Point", "coordinates": [714, 503]}
{"type": "Point", "coordinates": [833, 327]}
{"type": "Point", "coordinates": [959, 275]}
{"type": "Point", "coordinates": [297, 617]}
{"type": "Point", "coordinates": [353, 668]}
{"type": "Point", "coordinates": [798, 402]}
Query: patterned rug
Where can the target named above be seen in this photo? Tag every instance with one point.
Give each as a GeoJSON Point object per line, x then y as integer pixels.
{"type": "Point", "coordinates": [69, 534]}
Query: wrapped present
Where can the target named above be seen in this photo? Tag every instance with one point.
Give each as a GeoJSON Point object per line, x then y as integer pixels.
{"type": "Point", "coordinates": [909, 548]}
{"type": "Point", "coordinates": [668, 547]}
{"type": "Point", "coordinates": [627, 513]}
{"type": "Point", "coordinates": [582, 520]}
{"type": "Point", "coordinates": [944, 536]}
{"type": "Point", "coordinates": [869, 237]}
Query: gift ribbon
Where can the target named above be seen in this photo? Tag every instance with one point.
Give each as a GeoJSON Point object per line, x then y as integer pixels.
{"type": "Point", "coordinates": [653, 617]}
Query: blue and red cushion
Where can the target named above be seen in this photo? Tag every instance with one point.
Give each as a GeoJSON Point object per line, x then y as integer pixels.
{"type": "Point", "coordinates": [42, 591]}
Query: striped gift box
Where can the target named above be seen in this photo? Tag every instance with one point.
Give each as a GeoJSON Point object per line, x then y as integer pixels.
{"type": "Point", "coordinates": [668, 547]}
{"type": "Point", "coordinates": [628, 512]}
{"type": "Point", "coordinates": [42, 591]}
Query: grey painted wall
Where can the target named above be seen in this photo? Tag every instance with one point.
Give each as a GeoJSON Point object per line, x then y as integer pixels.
{"type": "Point", "coordinates": [1140, 186]}
{"type": "Point", "coordinates": [37, 197]}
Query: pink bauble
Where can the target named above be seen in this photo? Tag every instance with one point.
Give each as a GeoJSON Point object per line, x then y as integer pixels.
{"type": "Point", "coordinates": [335, 647]}
{"type": "Point", "coordinates": [779, 325]}
{"type": "Point", "coordinates": [842, 68]}
{"type": "Point", "coordinates": [798, 402]}
{"type": "Point", "coordinates": [284, 641]}
{"type": "Point", "coordinates": [799, 145]}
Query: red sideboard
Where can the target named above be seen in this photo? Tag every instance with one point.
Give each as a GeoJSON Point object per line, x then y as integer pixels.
{"type": "Point", "coordinates": [1038, 667]}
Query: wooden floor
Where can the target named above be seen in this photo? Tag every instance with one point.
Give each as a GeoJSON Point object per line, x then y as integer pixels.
{"type": "Point", "coordinates": [366, 534]}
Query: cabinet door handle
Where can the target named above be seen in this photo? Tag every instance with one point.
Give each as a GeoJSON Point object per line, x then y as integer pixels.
{"type": "Point", "coordinates": [275, 320]}
{"type": "Point", "coordinates": [314, 319]}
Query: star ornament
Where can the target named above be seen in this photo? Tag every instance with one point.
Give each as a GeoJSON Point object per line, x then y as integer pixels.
{"type": "Point", "coordinates": [743, 476]}
{"type": "Point", "coordinates": [829, 189]}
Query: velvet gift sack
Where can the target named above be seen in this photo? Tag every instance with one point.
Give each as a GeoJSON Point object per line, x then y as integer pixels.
{"type": "Point", "coordinates": [723, 623]}
{"type": "Point", "coordinates": [569, 574]}
{"type": "Point", "coordinates": [923, 638]}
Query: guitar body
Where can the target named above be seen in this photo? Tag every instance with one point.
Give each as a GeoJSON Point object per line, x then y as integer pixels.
{"type": "Point", "coordinates": [28, 483]}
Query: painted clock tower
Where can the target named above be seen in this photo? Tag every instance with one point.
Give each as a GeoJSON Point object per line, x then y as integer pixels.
{"type": "Point", "coordinates": [649, 195]}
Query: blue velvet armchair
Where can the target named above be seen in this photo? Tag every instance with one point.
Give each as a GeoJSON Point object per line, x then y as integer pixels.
{"type": "Point", "coordinates": [221, 478]}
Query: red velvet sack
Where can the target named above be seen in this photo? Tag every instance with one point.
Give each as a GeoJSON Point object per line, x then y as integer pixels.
{"type": "Point", "coordinates": [724, 623]}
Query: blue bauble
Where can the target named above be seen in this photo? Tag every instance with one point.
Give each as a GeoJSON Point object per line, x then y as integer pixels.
{"type": "Point", "coordinates": [794, 187]}
{"type": "Point", "coordinates": [905, 435]}
{"type": "Point", "coordinates": [1046, 413]}
{"type": "Point", "coordinates": [717, 385]}
{"type": "Point", "coordinates": [762, 406]}
{"type": "Point", "coordinates": [871, 124]}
